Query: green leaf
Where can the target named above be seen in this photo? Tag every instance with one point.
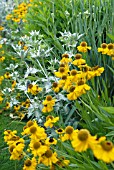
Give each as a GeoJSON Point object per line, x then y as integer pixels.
{"type": "Point", "coordinates": [110, 133]}
{"type": "Point", "coordinates": [70, 114]}
{"type": "Point", "coordinates": [111, 36]}
{"type": "Point", "coordinates": [32, 78]}
{"type": "Point", "coordinates": [108, 109]}
{"type": "Point", "coordinates": [111, 69]}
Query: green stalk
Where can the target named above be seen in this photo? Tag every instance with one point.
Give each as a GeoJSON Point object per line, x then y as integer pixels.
{"type": "Point", "coordinates": [113, 18]}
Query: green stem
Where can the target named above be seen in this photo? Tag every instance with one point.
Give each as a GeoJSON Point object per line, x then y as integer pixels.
{"type": "Point", "coordinates": [15, 166]}
{"type": "Point", "coordinates": [112, 164]}
{"type": "Point", "coordinates": [112, 18]}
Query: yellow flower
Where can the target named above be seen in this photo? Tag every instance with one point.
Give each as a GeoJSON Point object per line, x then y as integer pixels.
{"type": "Point", "coordinates": [67, 84]}
{"type": "Point", "coordinates": [21, 43]}
{"type": "Point", "coordinates": [56, 87]}
{"type": "Point", "coordinates": [2, 58]}
{"type": "Point", "coordinates": [1, 99]}
{"type": "Point", "coordinates": [62, 162]}
{"type": "Point", "coordinates": [50, 120]}
{"type": "Point", "coordinates": [82, 140]}
{"type": "Point", "coordinates": [60, 131]}
{"type": "Point", "coordinates": [26, 129]}
{"type": "Point", "coordinates": [47, 109]}
{"type": "Point", "coordinates": [21, 115]}
{"type": "Point", "coordinates": [15, 140]}
{"type": "Point", "coordinates": [65, 59]}
{"type": "Point", "coordinates": [48, 158]}
{"type": "Point", "coordinates": [13, 84]}
{"type": "Point", "coordinates": [74, 76]}
{"type": "Point", "coordinates": [48, 103]}
{"type": "Point", "coordinates": [104, 150]}
{"type": "Point", "coordinates": [110, 49]}
{"type": "Point", "coordinates": [78, 60]}
{"type": "Point", "coordinates": [1, 28]}
{"type": "Point", "coordinates": [17, 107]}
{"type": "Point", "coordinates": [8, 134]}
{"type": "Point", "coordinates": [83, 47]}
{"type": "Point", "coordinates": [73, 93]}
{"type": "Point", "coordinates": [62, 81]}
{"type": "Point", "coordinates": [30, 164]}
{"type": "Point", "coordinates": [1, 79]}
{"type": "Point", "coordinates": [50, 141]}
{"type": "Point", "coordinates": [16, 149]}
{"type": "Point", "coordinates": [78, 90]}
{"type": "Point", "coordinates": [8, 17]}
{"type": "Point", "coordinates": [16, 19]}
{"type": "Point", "coordinates": [34, 89]}
{"type": "Point", "coordinates": [25, 48]}
{"type": "Point", "coordinates": [97, 70]}
{"type": "Point", "coordinates": [7, 105]}
{"type": "Point", "coordinates": [37, 132]}
{"type": "Point", "coordinates": [103, 49]}
{"type": "Point", "coordinates": [0, 45]}
{"type": "Point", "coordinates": [62, 71]}
{"type": "Point", "coordinates": [69, 133]}
{"type": "Point", "coordinates": [37, 148]}
{"type": "Point", "coordinates": [26, 103]}
{"type": "Point", "coordinates": [7, 75]}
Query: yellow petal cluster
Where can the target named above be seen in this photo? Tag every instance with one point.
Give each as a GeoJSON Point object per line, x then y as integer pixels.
{"type": "Point", "coordinates": [74, 81]}
{"type": "Point", "coordinates": [107, 49]}
{"type": "Point", "coordinates": [48, 103]}
{"type": "Point", "coordinates": [34, 89]}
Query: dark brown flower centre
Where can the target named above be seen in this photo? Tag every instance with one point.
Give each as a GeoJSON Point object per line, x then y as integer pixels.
{"type": "Point", "coordinates": [55, 84]}
{"type": "Point", "coordinates": [62, 65]}
{"type": "Point", "coordinates": [81, 82]}
{"type": "Point", "coordinates": [51, 140]}
{"type": "Point", "coordinates": [104, 45]}
{"type": "Point", "coordinates": [106, 145]}
{"type": "Point", "coordinates": [30, 86]}
{"type": "Point", "coordinates": [62, 69]}
{"type": "Point", "coordinates": [72, 88]}
{"type": "Point", "coordinates": [33, 129]}
{"type": "Point", "coordinates": [49, 117]}
{"type": "Point", "coordinates": [69, 129]}
{"type": "Point", "coordinates": [7, 74]}
{"type": "Point", "coordinates": [36, 145]}
{"type": "Point", "coordinates": [65, 55]}
{"type": "Point", "coordinates": [60, 130]}
{"type": "Point", "coordinates": [13, 82]}
{"type": "Point", "coordinates": [73, 72]}
{"type": "Point", "coordinates": [49, 98]}
{"type": "Point", "coordinates": [78, 56]}
{"type": "Point", "coordinates": [64, 77]}
{"type": "Point", "coordinates": [83, 134]}
{"type": "Point", "coordinates": [24, 127]}
{"type": "Point", "coordinates": [48, 153]}
{"type": "Point", "coordinates": [14, 138]}
{"type": "Point", "coordinates": [11, 148]}
{"type": "Point", "coordinates": [110, 46]}
{"type": "Point", "coordinates": [28, 163]}
{"type": "Point", "coordinates": [29, 123]}
{"type": "Point", "coordinates": [83, 44]}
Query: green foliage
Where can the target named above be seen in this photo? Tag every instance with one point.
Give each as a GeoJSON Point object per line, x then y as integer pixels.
{"type": "Point", "coordinates": [8, 123]}
{"type": "Point", "coordinates": [60, 26]}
